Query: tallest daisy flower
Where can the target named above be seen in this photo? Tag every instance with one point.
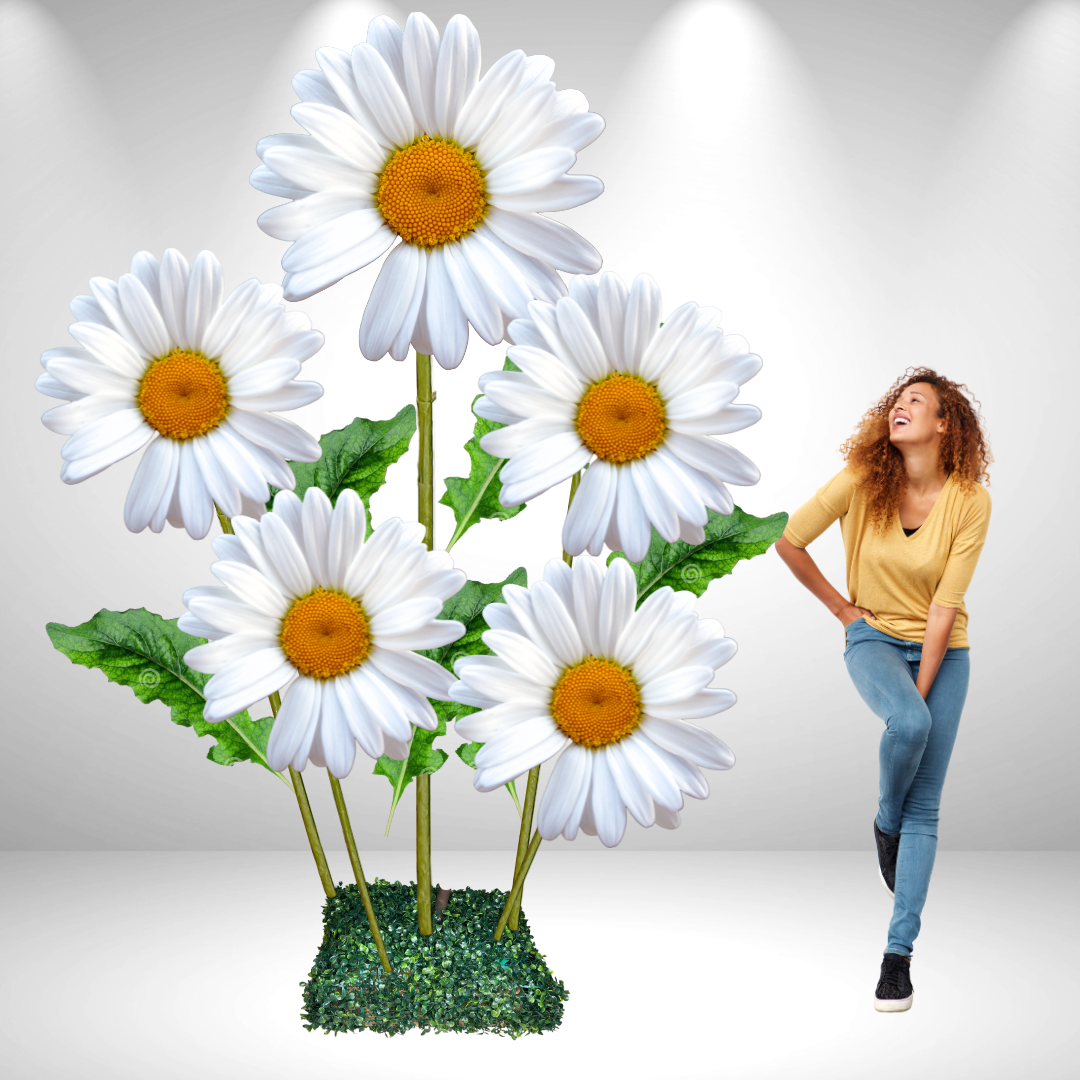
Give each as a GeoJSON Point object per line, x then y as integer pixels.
{"type": "Point", "coordinates": [410, 150]}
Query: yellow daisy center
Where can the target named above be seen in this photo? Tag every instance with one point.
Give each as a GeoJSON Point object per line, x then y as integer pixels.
{"type": "Point", "coordinates": [431, 192]}
{"type": "Point", "coordinates": [325, 634]}
{"type": "Point", "coordinates": [183, 395]}
{"type": "Point", "coordinates": [621, 418]}
{"type": "Point", "coordinates": [596, 702]}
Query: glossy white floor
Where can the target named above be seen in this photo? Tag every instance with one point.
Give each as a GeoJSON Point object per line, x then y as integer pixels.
{"type": "Point", "coordinates": [720, 964]}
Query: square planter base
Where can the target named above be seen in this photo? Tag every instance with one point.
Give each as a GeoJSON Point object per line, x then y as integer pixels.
{"type": "Point", "coordinates": [457, 979]}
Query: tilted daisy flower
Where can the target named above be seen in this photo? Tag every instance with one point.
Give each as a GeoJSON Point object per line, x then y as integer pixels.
{"type": "Point", "coordinates": [308, 604]}
{"type": "Point", "coordinates": [165, 360]}
{"type": "Point", "coordinates": [576, 669]}
{"type": "Point", "coordinates": [603, 384]}
{"type": "Point", "coordinates": [407, 143]}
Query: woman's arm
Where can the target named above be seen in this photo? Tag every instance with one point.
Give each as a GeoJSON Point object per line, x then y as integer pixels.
{"type": "Point", "coordinates": [806, 570]}
{"type": "Point", "coordinates": [939, 624]}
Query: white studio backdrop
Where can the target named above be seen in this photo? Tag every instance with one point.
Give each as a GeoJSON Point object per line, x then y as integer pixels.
{"type": "Point", "coordinates": [859, 186]}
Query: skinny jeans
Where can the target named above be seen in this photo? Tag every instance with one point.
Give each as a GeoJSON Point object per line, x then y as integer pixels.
{"type": "Point", "coordinates": [913, 756]}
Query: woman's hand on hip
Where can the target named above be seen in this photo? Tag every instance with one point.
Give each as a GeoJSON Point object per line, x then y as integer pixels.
{"type": "Point", "coordinates": [851, 613]}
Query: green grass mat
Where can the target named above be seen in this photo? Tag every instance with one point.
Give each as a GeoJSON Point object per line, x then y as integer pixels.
{"type": "Point", "coordinates": [458, 979]}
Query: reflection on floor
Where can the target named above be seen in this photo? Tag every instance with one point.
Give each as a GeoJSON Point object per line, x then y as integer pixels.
{"type": "Point", "coordinates": [749, 965]}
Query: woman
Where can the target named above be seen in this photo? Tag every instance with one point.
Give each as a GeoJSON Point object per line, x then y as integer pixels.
{"type": "Point", "coordinates": [913, 517]}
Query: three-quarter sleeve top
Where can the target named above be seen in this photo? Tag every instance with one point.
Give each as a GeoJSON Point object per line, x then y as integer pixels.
{"type": "Point", "coordinates": [897, 576]}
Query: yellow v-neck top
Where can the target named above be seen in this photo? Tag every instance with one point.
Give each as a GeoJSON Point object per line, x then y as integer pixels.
{"type": "Point", "coordinates": [894, 575]}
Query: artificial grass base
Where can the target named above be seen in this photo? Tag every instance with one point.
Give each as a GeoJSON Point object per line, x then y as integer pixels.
{"type": "Point", "coordinates": [457, 979]}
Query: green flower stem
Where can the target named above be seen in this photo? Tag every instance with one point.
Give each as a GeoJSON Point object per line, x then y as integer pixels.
{"type": "Point", "coordinates": [523, 836]}
{"type": "Point", "coordinates": [226, 524]}
{"type": "Point", "coordinates": [306, 814]}
{"type": "Point", "coordinates": [358, 870]}
{"type": "Point", "coordinates": [569, 559]}
{"type": "Point", "coordinates": [425, 498]}
{"type": "Point", "coordinates": [519, 884]}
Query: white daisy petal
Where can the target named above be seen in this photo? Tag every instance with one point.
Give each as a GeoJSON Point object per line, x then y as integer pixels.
{"type": "Point", "coordinates": [544, 239]}
{"type": "Point", "coordinates": [457, 72]}
{"type": "Point", "coordinates": [562, 194]}
{"type": "Point", "coordinates": [110, 348]}
{"type": "Point", "coordinates": [479, 727]}
{"type": "Point", "coordinates": [175, 275]}
{"type": "Point", "coordinates": [105, 441]}
{"type": "Point", "coordinates": [386, 37]}
{"type": "Point", "coordinates": [631, 517]}
{"type": "Point", "coordinates": [144, 315]}
{"type": "Point", "coordinates": [338, 745]}
{"type": "Point", "coordinates": [492, 93]}
{"type": "Point", "coordinates": [563, 791]}
{"type": "Point", "coordinates": [383, 95]}
{"type": "Point", "coordinates": [713, 458]}
{"type": "Point", "coordinates": [354, 239]}
{"type": "Point", "coordinates": [219, 483]}
{"type": "Point", "coordinates": [488, 779]}
{"type": "Point", "coordinates": [642, 320]}
{"type": "Point", "coordinates": [618, 599]}
{"type": "Point", "coordinates": [514, 132]}
{"type": "Point", "coordinates": [298, 713]}
{"type": "Point", "coordinates": [591, 507]}
{"type": "Point", "coordinates": [475, 299]}
{"type": "Point", "coordinates": [267, 430]}
{"type": "Point", "coordinates": [67, 419]}
{"type": "Point", "coordinates": [290, 220]}
{"type": "Point", "coordinates": [632, 792]}
{"type": "Point", "coordinates": [688, 741]}
{"type": "Point", "coordinates": [390, 300]}
{"type": "Point", "coordinates": [268, 182]}
{"type": "Point", "coordinates": [608, 808]}
{"type": "Point", "coordinates": [204, 297]}
{"type": "Point", "coordinates": [420, 57]}
{"type": "Point", "coordinates": [149, 484]}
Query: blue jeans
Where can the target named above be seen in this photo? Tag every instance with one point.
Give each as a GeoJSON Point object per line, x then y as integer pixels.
{"type": "Point", "coordinates": [914, 754]}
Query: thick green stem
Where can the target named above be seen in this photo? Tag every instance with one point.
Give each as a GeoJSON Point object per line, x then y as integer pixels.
{"type": "Point", "coordinates": [425, 499]}
{"type": "Point", "coordinates": [523, 836]}
{"type": "Point", "coordinates": [358, 870]}
{"type": "Point", "coordinates": [569, 559]}
{"type": "Point", "coordinates": [519, 884]}
{"type": "Point", "coordinates": [309, 818]}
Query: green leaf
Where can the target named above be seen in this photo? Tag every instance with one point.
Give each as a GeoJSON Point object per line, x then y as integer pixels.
{"type": "Point", "coordinates": [467, 752]}
{"type": "Point", "coordinates": [467, 606]}
{"type": "Point", "coordinates": [356, 457]}
{"type": "Point", "coordinates": [143, 651]}
{"type": "Point", "coordinates": [423, 758]}
{"type": "Point", "coordinates": [728, 539]}
{"type": "Point", "coordinates": [476, 496]}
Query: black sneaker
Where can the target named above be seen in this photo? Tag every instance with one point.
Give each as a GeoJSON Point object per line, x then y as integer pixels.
{"type": "Point", "coordinates": [894, 991]}
{"type": "Point", "coordinates": [887, 847]}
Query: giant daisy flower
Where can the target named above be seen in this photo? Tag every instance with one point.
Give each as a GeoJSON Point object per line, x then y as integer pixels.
{"type": "Point", "coordinates": [603, 384]}
{"type": "Point", "coordinates": [576, 669]}
{"type": "Point", "coordinates": [408, 143]}
{"type": "Point", "coordinates": [308, 604]}
{"type": "Point", "coordinates": [166, 361]}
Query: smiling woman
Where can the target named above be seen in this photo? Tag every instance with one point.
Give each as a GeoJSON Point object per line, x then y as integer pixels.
{"type": "Point", "coordinates": [914, 518]}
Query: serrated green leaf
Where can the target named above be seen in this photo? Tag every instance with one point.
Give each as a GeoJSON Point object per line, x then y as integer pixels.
{"type": "Point", "coordinates": [143, 651]}
{"type": "Point", "coordinates": [728, 539]}
{"type": "Point", "coordinates": [467, 606]}
{"type": "Point", "coordinates": [467, 752]}
{"type": "Point", "coordinates": [356, 457]}
{"type": "Point", "coordinates": [476, 496]}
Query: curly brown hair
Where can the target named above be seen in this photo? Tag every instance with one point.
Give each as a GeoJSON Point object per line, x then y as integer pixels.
{"type": "Point", "coordinates": [964, 449]}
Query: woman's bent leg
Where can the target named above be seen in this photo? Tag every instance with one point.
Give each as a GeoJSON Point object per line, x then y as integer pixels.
{"type": "Point", "coordinates": [919, 815]}
{"type": "Point", "coordinates": [883, 678]}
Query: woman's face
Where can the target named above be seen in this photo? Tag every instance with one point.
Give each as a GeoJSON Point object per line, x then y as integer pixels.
{"type": "Point", "coordinates": [913, 419]}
